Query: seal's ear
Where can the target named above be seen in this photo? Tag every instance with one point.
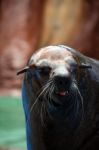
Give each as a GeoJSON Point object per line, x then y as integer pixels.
{"type": "Point", "coordinates": [85, 66]}
{"type": "Point", "coordinates": [23, 70]}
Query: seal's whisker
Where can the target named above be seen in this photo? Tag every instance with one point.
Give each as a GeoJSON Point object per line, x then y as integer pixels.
{"type": "Point", "coordinates": [35, 102]}
{"type": "Point", "coordinates": [46, 86]}
{"type": "Point", "coordinates": [47, 92]}
{"type": "Point", "coordinates": [47, 89]}
{"type": "Point", "coordinates": [47, 83]}
{"type": "Point", "coordinates": [44, 89]}
{"type": "Point", "coordinates": [41, 114]}
{"type": "Point", "coordinates": [81, 98]}
{"type": "Point", "coordinates": [76, 101]}
{"type": "Point", "coordinates": [51, 91]}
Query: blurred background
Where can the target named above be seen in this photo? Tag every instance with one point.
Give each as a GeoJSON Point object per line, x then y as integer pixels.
{"type": "Point", "coordinates": [25, 26]}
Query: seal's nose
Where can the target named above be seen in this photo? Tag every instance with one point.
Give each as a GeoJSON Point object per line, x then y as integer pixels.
{"type": "Point", "coordinates": [62, 82]}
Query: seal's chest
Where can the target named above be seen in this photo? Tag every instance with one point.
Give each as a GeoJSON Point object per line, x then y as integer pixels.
{"type": "Point", "coordinates": [58, 137]}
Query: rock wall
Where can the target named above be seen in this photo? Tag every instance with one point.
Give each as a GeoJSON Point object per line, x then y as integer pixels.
{"type": "Point", "coordinates": [20, 23]}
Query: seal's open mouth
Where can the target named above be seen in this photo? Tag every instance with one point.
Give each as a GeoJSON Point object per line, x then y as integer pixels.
{"type": "Point", "coordinates": [63, 93]}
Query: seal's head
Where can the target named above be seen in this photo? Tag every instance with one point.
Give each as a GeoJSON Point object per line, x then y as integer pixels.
{"type": "Point", "coordinates": [54, 69]}
{"type": "Point", "coordinates": [52, 77]}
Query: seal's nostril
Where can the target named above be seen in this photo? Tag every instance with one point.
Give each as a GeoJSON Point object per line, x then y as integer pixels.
{"type": "Point", "coordinates": [61, 82]}
{"type": "Point", "coordinates": [66, 81]}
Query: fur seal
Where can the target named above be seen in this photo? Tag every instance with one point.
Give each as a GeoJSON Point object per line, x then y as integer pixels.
{"type": "Point", "coordinates": [61, 100]}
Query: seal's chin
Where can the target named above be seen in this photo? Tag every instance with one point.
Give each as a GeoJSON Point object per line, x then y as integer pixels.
{"type": "Point", "coordinates": [60, 97]}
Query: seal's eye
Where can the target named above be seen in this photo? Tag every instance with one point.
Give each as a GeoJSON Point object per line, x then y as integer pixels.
{"type": "Point", "coordinates": [73, 68]}
{"type": "Point", "coordinates": [44, 70]}
{"type": "Point", "coordinates": [72, 64]}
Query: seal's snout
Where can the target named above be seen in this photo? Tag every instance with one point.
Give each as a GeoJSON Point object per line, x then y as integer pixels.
{"type": "Point", "coordinates": [62, 85]}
